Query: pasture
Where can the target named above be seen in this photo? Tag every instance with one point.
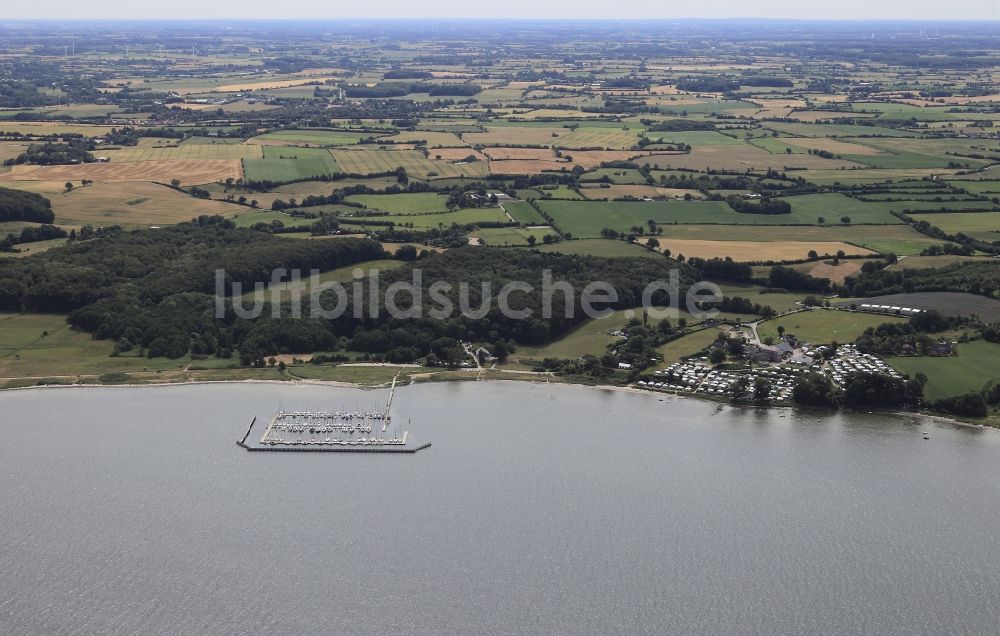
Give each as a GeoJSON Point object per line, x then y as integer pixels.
{"type": "Point", "coordinates": [309, 138]}
{"type": "Point", "coordinates": [285, 164]}
{"type": "Point", "coordinates": [976, 363]}
{"type": "Point", "coordinates": [369, 161]}
{"type": "Point", "coordinates": [586, 219]}
{"type": "Point", "coordinates": [823, 326]}
{"type": "Point", "coordinates": [409, 203]}
{"type": "Point", "coordinates": [523, 213]}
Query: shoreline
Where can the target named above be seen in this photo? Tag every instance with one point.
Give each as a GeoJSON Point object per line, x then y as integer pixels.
{"type": "Point", "coordinates": [939, 419]}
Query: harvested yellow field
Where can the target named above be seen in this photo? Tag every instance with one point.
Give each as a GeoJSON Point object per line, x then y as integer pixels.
{"type": "Point", "coordinates": [813, 116]}
{"type": "Point", "coordinates": [591, 159]}
{"type": "Point", "coordinates": [519, 136]}
{"type": "Point", "coordinates": [431, 139]}
{"type": "Point", "coordinates": [11, 150]}
{"type": "Point", "coordinates": [752, 251]}
{"type": "Point", "coordinates": [836, 273]}
{"type": "Point", "coordinates": [551, 113]}
{"type": "Point", "coordinates": [528, 166]}
{"type": "Point", "coordinates": [455, 154]}
{"type": "Point", "coordinates": [271, 84]}
{"type": "Point", "coordinates": [185, 152]}
{"type": "Point", "coordinates": [600, 138]}
{"type": "Point", "coordinates": [523, 86]}
{"type": "Point", "coordinates": [190, 172]}
{"type": "Point", "coordinates": [538, 154]}
{"type": "Point", "coordinates": [132, 204]}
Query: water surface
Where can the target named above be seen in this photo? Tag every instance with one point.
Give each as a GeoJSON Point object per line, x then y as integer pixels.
{"type": "Point", "coordinates": [539, 509]}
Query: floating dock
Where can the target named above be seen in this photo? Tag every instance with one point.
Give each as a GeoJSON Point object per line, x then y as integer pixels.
{"type": "Point", "coordinates": [367, 431]}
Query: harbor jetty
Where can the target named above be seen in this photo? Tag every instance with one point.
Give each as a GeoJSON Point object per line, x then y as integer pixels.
{"type": "Point", "coordinates": [354, 430]}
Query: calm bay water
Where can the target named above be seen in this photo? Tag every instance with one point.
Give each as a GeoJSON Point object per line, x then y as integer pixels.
{"type": "Point", "coordinates": [539, 509]}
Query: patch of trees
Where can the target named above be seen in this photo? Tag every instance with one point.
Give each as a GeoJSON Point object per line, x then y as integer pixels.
{"type": "Point", "coordinates": [44, 232]}
{"type": "Point", "coordinates": [969, 405]}
{"type": "Point", "coordinates": [74, 151]}
{"type": "Point", "coordinates": [893, 337]}
{"type": "Point", "coordinates": [980, 277]}
{"type": "Point", "coordinates": [407, 74]}
{"type": "Point", "coordinates": [760, 206]}
{"type": "Point", "coordinates": [877, 390]}
{"type": "Point", "coordinates": [721, 269]}
{"type": "Point", "coordinates": [765, 80]}
{"type": "Point", "coordinates": [677, 125]}
{"type": "Point", "coordinates": [720, 84]}
{"type": "Point", "coordinates": [782, 277]}
{"type": "Point", "coordinates": [17, 205]}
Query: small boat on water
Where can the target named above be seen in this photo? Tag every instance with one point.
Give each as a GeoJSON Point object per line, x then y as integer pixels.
{"type": "Point", "coordinates": [927, 435]}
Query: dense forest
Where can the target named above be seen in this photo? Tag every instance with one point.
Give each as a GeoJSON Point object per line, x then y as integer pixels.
{"type": "Point", "coordinates": [18, 205]}
{"type": "Point", "coordinates": [981, 278]}
{"type": "Point", "coordinates": [154, 290]}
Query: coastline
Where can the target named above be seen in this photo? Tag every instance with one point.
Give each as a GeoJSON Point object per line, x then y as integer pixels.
{"type": "Point", "coordinates": [929, 417]}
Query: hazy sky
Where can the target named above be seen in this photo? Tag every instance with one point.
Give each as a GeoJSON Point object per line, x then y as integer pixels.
{"type": "Point", "coordinates": [812, 9]}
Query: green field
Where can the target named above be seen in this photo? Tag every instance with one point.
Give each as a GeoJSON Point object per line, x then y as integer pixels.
{"type": "Point", "coordinates": [688, 345]}
{"type": "Point", "coordinates": [442, 220]}
{"type": "Point", "coordinates": [592, 337]}
{"type": "Point", "coordinates": [808, 208]}
{"type": "Point", "coordinates": [586, 219]}
{"type": "Point", "coordinates": [409, 203]}
{"type": "Point", "coordinates": [282, 164]}
{"type": "Point", "coordinates": [511, 236]}
{"type": "Point", "coordinates": [981, 225]}
{"type": "Point", "coordinates": [823, 326]}
{"type": "Point", "coordinates": [43, 345]}
{"type": "Point", "coordinates": [976, 363]}
{"type": "Point", "coordinates": [314, 137]}
{"type": "Point", "coordinates": [523, 212]}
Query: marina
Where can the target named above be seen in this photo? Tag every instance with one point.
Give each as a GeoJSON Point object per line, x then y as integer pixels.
{"type": "Point", "coordinates": [359, 430]}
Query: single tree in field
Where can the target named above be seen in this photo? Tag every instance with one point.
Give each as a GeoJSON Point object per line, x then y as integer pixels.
{"type": "Point", "coordinates": [69, 186]}
{"type": "Point", "coordinates": [781, 331]}
{"type": "Point", "coordinates": [718, 356]}
{"type": "Point", "coordinates": [531, 239]}
{"type": "Point", "coordinates": [846, 220]}
{"type": "Point", "coordinates": [821, 220]}
{"type": "Point", "coordinates": [813, 255]}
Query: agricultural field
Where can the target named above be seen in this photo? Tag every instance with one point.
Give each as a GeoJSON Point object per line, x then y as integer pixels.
{"type": "Point", "coordinates": [320, 138]}
{"type": "Point", "coordinates": [510, 236]}
{"type": "Point", "coordinates": [975, 363]}
{"type": "Point", "coordinates": [600, 247]}
{"type": "Point", "coordinates": [687, 345]}
{"type": "Point", "coordinates": [823, 326]}
{"type": "Point", "coordinates": [523, 213]}
{"type": "Point", "coordinates": [898, 239]}
{"type": "Point", "coordinates": [411, 203]}
{"type": "Point", "coordinates": [285, 164]}
{"type": "Point", "coordinates": [981, 225]}
{"type": "Point", "coordinates": [133, 204]}
{"type": "Point", "coordinates": [948, 303]}
{"type": "Point", "coordinates": [752, 251]}
{"type": "Point", "coordinates": [185, 152]}
{"type": "Point", "coordinates": [368, 161]}
{"type": "Point", "coordinates": [189, 172]}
